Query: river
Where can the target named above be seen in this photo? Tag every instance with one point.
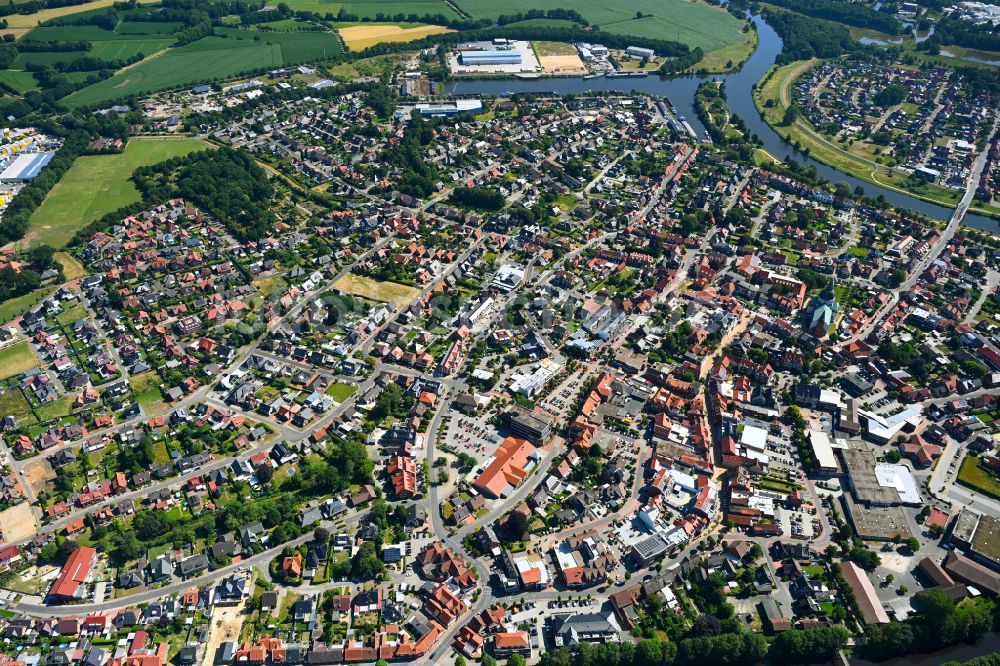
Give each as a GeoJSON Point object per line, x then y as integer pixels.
{"type": "Point", "coordinates": [739, 87]}
{"type": "Point", "coordinates": [988, 644]}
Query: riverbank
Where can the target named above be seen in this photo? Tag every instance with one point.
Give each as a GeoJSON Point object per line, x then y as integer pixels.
{"type": "Point", "coordinates": [772, 96]}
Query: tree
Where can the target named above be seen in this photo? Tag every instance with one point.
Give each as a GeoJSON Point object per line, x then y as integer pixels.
{"type": "Point", "coordinates": [913, 544]}
{"type": "Point", "coordinates": [516, 526]}
{"type": "Point", "coordinates": [321, 535]}
{"type": "Point", "coordinates": [459, 660]}
{"type": "Point", "coordinates": [516, 660]}
{"type": "Point", "coordinates": [366, 565]}
{"type": "Point", "coordinates": [808, 646]}
{"type": "Point", "coordinates": [706, 625]}
{"type": "Point", "coordinates": [792, 114]}
{"type": "Point", "coordinates": [265, 473]}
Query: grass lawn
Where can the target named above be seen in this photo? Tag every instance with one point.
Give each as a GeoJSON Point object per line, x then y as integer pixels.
{"type": "Point", "coordinates": [554, 48]}
{"type": "Point", "coordinates": [386, 291]}
{"type": "Point", "coordinates": [13, 403]}
{"type": "Point", "coordinates": [147, 393]}
{"type": "Point", "coordinates": [694, 23]}
{"type": "Point", "coordinates": [75, 312]}
{"type": "Point", "coordinates": [15, 307]}
{"type": "Point", "coordinates": [360, 37]}
{"type": "Point", "coordinates": [341, 392]}
{"type": "Point", "coordinates": [55, 409]}
{"type": "Point", "coordinates": [374, 66]}
{"type": "Point", "coordinates": [16, 359]}
{"type": "Point", "coordinates": [730, 57]}
{"type": "Point", "coordinates": [72, 268]}
{"type": "Point", "coordinates": [977, 478]}
{"type": "Point", "coordinates": [160, 454]}
{"type": "Point", "coordinates": [96, 185]}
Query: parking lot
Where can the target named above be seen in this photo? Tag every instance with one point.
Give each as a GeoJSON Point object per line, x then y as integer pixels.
{"type": "Point", "coordinates": [796, 524]}
{"type": "Point", "coordinates": [472, 436]}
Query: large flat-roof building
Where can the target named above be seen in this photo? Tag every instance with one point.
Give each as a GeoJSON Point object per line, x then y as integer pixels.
{"type": "Point", "coordinates": [24, 167]}
{"type": "Point", "coordinates": [533, 426]}
{"type": "Point", "coordinates": [826, 461]}
{"type": "Point", "coordinates": [640, 52]}
{"type": "Point", "coordinates": [490, 57]}
{"type": "Point", "coordinates": [439, 109]}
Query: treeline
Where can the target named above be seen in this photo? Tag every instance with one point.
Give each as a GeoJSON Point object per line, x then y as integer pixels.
{"type": "Point", "coordinates": [681, 63]}
{"type": "Point", "coordinates": [34, 6]}
{"type": "Point", "coordinates": [455, 23]}
{"type": "Point", "coordinates": [724, 650]}
{"type": "Point", "coordinates": [25, 46]}
{"type": "Point", "coordinates": [939, 624]}
{"type": "Point", "coordinates": [481, 198]}
{"type": "Point", "coordinates": [227, 183]}
{"type": "Point", "coordinates": [790, 647]}
{"type": "Point", "coordinates": [962, 33]}
{"type": "Point", "coordinates": [8, 54]}
{"type": "Point", "coordinates": [14, 224]}
{"type": "Point", "coordinates": [47, 75]}
{"type": "Point", "coordinates": [804, 37]}
{"type": "Point", "coordinates": [857, 14]}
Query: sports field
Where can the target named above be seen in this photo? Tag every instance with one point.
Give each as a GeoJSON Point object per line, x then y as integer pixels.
{"type": "Point", "coordinates": [360, 37]}
{"type": "Point", "coordinates": [692, 22]}
{"type": "Point", "coordinates": [401, 294]}
{"type": "Point", "coordinates": [96, 185]}
{"type": "Point", "coordinates": [16, 359]}
{"type": "Point", "coordinates": [372, 8]}
{"type": "Point", "coordinates": [210, 58]}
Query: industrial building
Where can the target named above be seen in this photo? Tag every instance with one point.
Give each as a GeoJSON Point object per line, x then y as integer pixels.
{"type": "Point", "coordinates": [490, 57]}
{"type": "Point", "coordinates": [25, 167]}
{"type": "Point", "coordinates": [640, 52]}
{"type": "Point", "coordinates": [450, 108]}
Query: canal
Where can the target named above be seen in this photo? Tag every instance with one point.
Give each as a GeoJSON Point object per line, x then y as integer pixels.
{"type": "Point", "coordinates": [739, 88]}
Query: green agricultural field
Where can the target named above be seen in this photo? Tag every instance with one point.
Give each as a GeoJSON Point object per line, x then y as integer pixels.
{"type": "Point", "coordinates": [20, 81]}
{"type": "Point", "coordinates": [211, 58]}
{"type": "Point", "coordinates": [694, 23]}
{"type": "Point", "coordinates": [117, 49]}
{"type": "Point", "coordinates": [127, 40]}
{"type": "Point", "coordinates": [371, 8]}
{"type": "Point", "coordinates": [96, 185]}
